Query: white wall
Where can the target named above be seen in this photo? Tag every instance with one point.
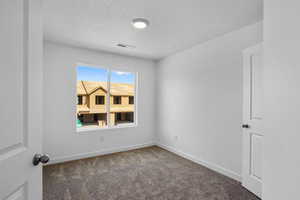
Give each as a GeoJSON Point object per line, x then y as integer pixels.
{"type": "Point", "coordinates": [200, 100]}
{"type": "Point", "coordinates": [61, 140]}
{"type": "Point", "coordinates": [282, 101]}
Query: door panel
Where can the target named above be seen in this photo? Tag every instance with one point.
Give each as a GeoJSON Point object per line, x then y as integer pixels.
{"type": "Point", "coordinates": [13, 132]}
{"type": "Point", "coordinates": [256, 86]}
{"type": "Point", "coordinates": [252, 116]}
{"type": "Point", "coordinates": [19, 194]}
{"type": "Point", "coordinates": [20, 98]}
{"type": "Point", "coordinates": [256, 155]}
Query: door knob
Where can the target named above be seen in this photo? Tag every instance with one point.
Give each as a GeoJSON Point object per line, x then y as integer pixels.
{"type": "Point", "coordinates": [40, 158]}
{"type": "Point", "coordinates": [245, 126]}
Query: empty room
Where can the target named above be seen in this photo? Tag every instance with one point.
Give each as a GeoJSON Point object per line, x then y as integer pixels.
{"type": "Point", "coordinates": [149, 100]}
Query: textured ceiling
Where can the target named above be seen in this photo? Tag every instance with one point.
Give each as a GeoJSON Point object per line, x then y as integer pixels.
{"type": "Point", "coordinates": [174, 24]}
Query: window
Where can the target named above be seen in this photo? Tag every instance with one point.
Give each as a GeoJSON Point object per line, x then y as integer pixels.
{"type": "Point", "coordinates": [79, 100]}
{"type": "Point", "coordinates": [131, 100]}
{"type": "Point", "coordinates": [122, 85]}
{"type": "Point", "coordinates": [99, 86]}
{"type": "Point", "coordinates": [99, 100]}
{"type": "Point", "coordinates": [117, 100]}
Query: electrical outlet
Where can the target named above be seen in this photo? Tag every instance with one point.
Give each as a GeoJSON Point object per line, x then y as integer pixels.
{"type": "Point", "coordinates": [101, 139]}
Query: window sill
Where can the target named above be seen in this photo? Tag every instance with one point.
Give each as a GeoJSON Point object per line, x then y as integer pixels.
{"type": "Point", "coordinates": [93, 129]}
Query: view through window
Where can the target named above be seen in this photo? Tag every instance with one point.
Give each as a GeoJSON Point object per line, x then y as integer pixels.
{"type": "Point", "coordinates": [104, 98]}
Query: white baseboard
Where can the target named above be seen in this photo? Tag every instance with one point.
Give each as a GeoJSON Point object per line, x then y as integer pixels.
{"type": "Point", "coordinates": [98, 153]}
{"type": "Point", "coordinates": [211, 166]}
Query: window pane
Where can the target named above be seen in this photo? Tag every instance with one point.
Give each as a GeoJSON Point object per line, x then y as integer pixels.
{"type": "Point", "coordinates": [131, 100]}
{"type": "Point", "coordinates": [100, 100]}
{"type": "Point", "coordinates": [117, 99]}
{"type": "Point", "coordinates": [91, 92]}
{"type": "Point", "coordinates": [79, 100]}
{"type": "Point", "coordinates": [122, 90]}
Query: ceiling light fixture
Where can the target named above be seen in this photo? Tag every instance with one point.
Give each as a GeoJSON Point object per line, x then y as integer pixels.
{"type": "Point", "coordinates": [140, 23]}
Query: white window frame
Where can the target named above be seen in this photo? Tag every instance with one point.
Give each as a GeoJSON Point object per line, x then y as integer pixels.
{"type": "Point", "coordinates": [135, 115]}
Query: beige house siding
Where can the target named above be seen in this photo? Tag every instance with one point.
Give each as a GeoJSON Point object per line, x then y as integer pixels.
{"type": "Point", "coordinates": [112, 119]}
{"type": "Point", "coordinates": [92, 100]}
{"type": "Point", "coordinates": [92, 113]}
{"type": "Point", "coordinates": [123, 107]}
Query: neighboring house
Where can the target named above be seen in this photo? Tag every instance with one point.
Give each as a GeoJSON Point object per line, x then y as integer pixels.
{"type": "Point", "coordinates": [92, 99]}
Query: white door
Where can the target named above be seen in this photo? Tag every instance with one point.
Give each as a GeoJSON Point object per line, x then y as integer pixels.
{"type": "Point", "coordinates": [20, 99]}
{"type": "Point", "coordinates": [252, 119]}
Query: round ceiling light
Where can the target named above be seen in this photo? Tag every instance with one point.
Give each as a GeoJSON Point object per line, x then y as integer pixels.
{"type": "Point", "coordinates": [140, 23]}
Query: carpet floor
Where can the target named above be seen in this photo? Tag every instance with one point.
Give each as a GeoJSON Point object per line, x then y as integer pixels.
{"type": "Point", "coordinates": [144, 174]}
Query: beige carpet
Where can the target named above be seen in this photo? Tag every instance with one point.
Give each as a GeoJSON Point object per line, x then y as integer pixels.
{"type": "Point", "coordinates": [149, 173]}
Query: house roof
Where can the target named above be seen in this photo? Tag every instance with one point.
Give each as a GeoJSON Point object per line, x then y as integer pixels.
{"type": "Point", "coordinates": [88, 87]}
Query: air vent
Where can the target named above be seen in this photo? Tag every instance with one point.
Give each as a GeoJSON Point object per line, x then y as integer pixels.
{"type": "Point", "coordinates": [125, 45]}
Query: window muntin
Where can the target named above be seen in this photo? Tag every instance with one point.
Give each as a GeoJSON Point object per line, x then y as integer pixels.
{"type": "Point", "coordinates": [114, 90]}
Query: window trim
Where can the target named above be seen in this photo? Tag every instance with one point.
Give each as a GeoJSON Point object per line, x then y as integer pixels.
{"type": "Point", "coordinates": [136, 97]}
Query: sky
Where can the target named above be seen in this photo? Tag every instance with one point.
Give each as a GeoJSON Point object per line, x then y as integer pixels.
{"type": "Point", "coordinates": [99, 74]}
